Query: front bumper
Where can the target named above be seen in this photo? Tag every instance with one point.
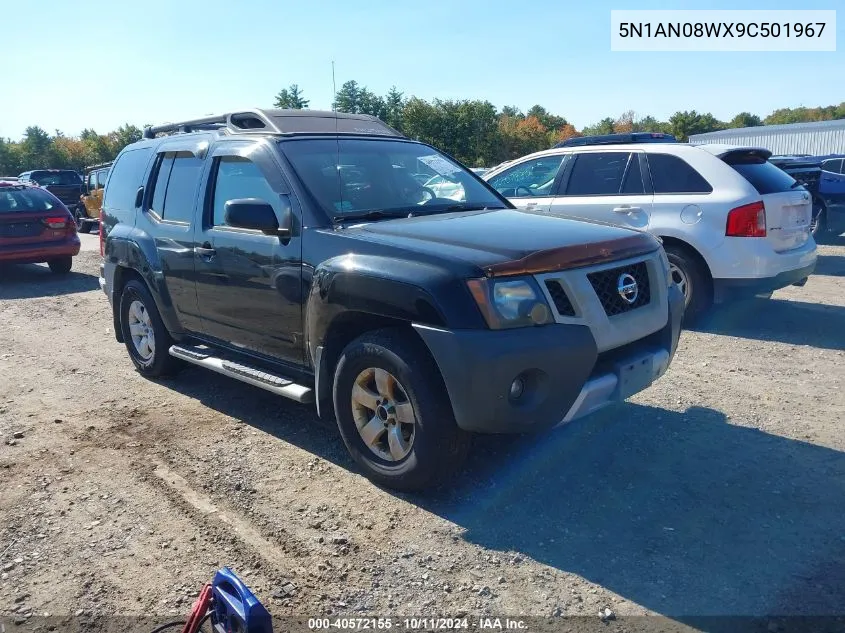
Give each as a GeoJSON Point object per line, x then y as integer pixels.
{"type": "Point", "coordinates": [728, 289]}
{"type": "Point", "coordinates": [564, 375]}
{"type": "Point", "coordinates": [41, 252]}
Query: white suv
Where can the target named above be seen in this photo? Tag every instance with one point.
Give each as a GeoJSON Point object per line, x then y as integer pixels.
{"type": "Point", "coordinates": [732, 223]}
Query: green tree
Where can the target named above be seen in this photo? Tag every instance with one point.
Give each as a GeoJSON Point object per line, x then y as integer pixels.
{"type": "Point", "coordinates": [347, 98]}
{"type": "Point", "coordinates": [291, 98]}
{"type": "Point", "coordinates": [36, 148]}
{"type": "Point", "coordinates": [605, 126]}
{"type": "Point", "coordinates": [683, 124]}
{"type": "Point", "coordinates": [546, 119]}
{"type": "Point", "coordinates": [394, 104]}
{"type": "Point", "coordinates": [745, 119]}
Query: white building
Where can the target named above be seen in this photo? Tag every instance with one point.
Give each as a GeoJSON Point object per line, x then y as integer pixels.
{"type": "Point", "coordinates": [818, 138]}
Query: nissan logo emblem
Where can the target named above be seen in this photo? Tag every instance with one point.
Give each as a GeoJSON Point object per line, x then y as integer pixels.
{"type": "Point", "coordinates": [627, 288]}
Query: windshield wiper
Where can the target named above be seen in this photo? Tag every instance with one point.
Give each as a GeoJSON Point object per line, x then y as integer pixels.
{"type": "Point", "coordinates": [466, 206]}
{"type": "Point", "coordinates": [373, 214]}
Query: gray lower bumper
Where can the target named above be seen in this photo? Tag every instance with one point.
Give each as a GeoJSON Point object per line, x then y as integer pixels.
{"type": "Point", "coordinates": [629, 378]}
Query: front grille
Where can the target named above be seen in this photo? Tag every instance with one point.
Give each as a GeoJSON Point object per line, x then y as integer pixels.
{"type": "Point", "coordinates": [606, 285]}
{"type": "Point", "coordinates": [560, 298]}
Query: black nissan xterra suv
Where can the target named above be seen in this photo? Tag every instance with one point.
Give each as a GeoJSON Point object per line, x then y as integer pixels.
{"type": "Point", "coordinates": [296, 251]}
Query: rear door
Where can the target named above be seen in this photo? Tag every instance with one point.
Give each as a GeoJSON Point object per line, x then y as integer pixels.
{"type": "Point", "coordinates": [788, 204]}
{"type": "Point", "coordinates": [168, 214]}
{"type": "Point", "coordinates": [530, 184]}
{"type": "Point", "coordinates": [249, 284]}
{"type": "Point", "coordinates": [605, 185]}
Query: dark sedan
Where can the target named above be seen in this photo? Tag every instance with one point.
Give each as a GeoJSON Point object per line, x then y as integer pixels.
{"type": "Point", "coordinates": [35, 227]}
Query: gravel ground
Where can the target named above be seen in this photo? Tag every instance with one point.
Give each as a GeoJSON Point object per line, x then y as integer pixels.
{"type": "Point", "coordinates": [719, 490]}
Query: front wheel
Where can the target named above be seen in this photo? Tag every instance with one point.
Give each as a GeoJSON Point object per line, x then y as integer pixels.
{"type": "Point", "coordinates": [393, 411]}
{"type": "Point", "coordinates": [692, 280]}
{"type": "Point", "coordinates": [147, 340]}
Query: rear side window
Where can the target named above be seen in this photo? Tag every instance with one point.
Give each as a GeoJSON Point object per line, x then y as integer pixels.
{"type": "Point", "coordinates": [598, 174]}
{"type": "Point", "coordinates": [175, 188]}
{"type": "Point", "coordinates": [671, 174]}
{"type": "Point", "coordinates": [763, 176]}
{"type": "Point", "coordinates": [126, 177]}
{"type": "Point", "coordinates": [20, 200]}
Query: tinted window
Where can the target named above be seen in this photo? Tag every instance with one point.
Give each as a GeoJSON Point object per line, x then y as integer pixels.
{"type": "Point", "coordinates": [597, 173]}
{"type": "Point", "coordinates": [237, 178]}
{"type": "Point", "coordinates": [14, 199]}
{"type": "Point", "coordinates": [834, 165]}
{"type": "Point", "coordinates": [126, 178]}
{"type": "Point", "coordinates": [633, 183]}
{"type": "Point", "coordinates": [47, 178]}
{"type": "Point", "coordinates": [531, 178]}
{"type": "Point", "coordinates": [92, 181]}
{"type": "Point", "coordinates": [165, 164]}
{"type": "Point", "coordinates": [175, 189]}
{"type": "Point", "coordinates": [670, 174]}
{"type": "Point", "coordinates": [355, 176]}
{"type": "Point", "coordinates": [763, 176]}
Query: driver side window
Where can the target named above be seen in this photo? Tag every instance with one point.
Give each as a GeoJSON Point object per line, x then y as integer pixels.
{"type": "Point", "coordinates": [529, 179]}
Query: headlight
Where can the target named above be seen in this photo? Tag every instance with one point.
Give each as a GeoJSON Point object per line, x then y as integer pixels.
{"type": "Point", "coordinates": [512, 302]}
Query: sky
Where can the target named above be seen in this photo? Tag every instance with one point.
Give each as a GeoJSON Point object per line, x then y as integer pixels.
{"type": "Point", "coordinates": [102, 63]}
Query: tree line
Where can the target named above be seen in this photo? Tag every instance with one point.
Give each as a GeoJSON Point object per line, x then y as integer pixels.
{"type": "Point", "coordinates": [39, 149]}
{"type": "Point", "coordinates": [474, 131]}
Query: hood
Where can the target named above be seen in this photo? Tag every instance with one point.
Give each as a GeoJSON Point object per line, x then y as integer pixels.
{"type": "Point", "coordinates": [506, 242]}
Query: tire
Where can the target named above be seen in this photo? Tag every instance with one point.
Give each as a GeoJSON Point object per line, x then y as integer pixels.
{"type": "Point", "coordinates": [818, 226]}
{"type": "Point", "coordinates": [81, 223]}
{"type": "Point", "coordinates": [436, 448]}
{"type": "Point", "coordinates": [61, 265]}
{"type": "Point", "coordinates": [151, 360]}
{"type": "Point", "coordinates": [698, 286]}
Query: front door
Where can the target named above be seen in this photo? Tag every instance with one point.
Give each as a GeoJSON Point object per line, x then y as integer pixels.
{"type": "Point", "coordinates": [249, 284]}
{"type": "Point", "coordinates": [606, 186]}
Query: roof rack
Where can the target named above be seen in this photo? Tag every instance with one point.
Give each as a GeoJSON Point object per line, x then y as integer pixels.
{"type": "Point", "coordinates": [280, 122]}
{"type": "Point", "coordinates": [613, 139]}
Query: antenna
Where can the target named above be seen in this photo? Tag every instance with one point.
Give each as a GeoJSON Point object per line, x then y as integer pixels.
{"type": "Point", "coordinates": [334, 89]}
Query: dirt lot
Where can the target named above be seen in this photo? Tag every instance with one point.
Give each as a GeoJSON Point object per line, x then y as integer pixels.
{"type": "Point", "coordinates": [720, 490]}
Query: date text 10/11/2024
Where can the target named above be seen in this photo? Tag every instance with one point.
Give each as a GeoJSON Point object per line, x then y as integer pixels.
{"type": "Point", "coordinates": [417, 624]}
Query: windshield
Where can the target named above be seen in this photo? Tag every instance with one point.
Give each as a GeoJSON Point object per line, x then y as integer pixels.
{"type": "Point", "coordinates": [19, 199]}
{"type": "Point", "coordinates": [351, 177]}
{"type": "Point", "coordinates": [48, 178]}
{"type": "Point", "coordinates": [763, 176]}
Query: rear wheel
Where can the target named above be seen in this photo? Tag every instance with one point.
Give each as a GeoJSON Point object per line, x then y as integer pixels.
{"type": "Point", "coordinates": [60, 265]}
{"type": "Point", "coordinates": [692, 280]}
{"type": "Point", "coordinates": [147, 340]}
{"type": "Point", "coordinates": [393, 411]}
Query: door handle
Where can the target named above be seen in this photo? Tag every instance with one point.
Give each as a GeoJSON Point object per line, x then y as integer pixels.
{"type": "Point", "coordinates": [627, 209]}
{"type": "Point", "coordinates": [205, 251]}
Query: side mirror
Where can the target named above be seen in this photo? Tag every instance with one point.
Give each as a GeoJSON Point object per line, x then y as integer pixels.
{"type": "Point", "coordinates": [253, 213]}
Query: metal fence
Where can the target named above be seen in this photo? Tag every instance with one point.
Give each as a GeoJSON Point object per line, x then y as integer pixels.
{"type": "Point", "coordinates": [818, 138]}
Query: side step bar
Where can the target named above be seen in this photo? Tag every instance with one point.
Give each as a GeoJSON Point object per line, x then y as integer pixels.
{"type": "Point", "coordinates": [204, 357]}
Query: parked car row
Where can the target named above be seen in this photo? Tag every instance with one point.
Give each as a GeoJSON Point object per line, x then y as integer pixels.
{"type": "Point", "coordinates": [326, 258]}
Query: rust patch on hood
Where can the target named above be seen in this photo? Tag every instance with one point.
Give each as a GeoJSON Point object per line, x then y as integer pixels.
{"type": "Point", "coordinates": [576, 256]}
